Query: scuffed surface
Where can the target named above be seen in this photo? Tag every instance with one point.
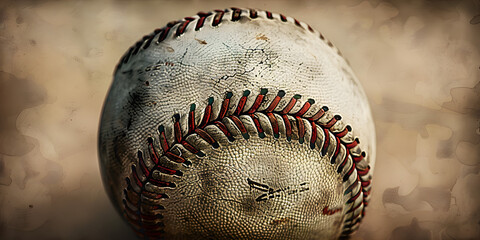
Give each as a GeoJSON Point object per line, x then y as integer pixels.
{"type": "Point", "coordinates": [418, 62]}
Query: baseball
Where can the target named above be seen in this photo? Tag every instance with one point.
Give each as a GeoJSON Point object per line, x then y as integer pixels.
{"type": "Point", "coordinates": [237, 124]}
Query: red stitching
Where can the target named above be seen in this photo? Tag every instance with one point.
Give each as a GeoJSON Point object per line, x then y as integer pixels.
{"type": "Point", "coordinates": [314, 135]}
{"type": "Point", "coordinates": [269, 15]}
{"type": "Point", "coordinates": [149, 41]}
{"type": "Point", "coordinates": [153, 153]}
{"type": "Point", "coordinates": [217, 19]}
{"type": "Point", "coordinates": [142, 164]}
{"type": "Point", "coordinates": [163, 139]}
{"type": "Point", "coordinates": [332, 122]}
{"type": "Point", "coordinates": [168, 171]}
{"type": "Point", "coordinates": [159, 183]}
{"type": "Point", "coordinates": [163, 34]}
{"type": "Point", "coordinates": [176, 127]}
{"type": "Point", "coordinates": [224, 129]}
{"type": "Point", "coordinates": [351, 200]}
{"type": "Point", "coordinates": [155, 195]}
{"type": "Point", "coordinates": [145, 200]}
{"type": "Point", "coordinates": [207, 114]}
{"type": "Point", "coordinates": [365, 183]}
{"type": "Point", "coordinates": [344, 132]}
{"type": "Point", "coordinates": [240, 126]}
{"type": "Point", "coordinates": [273, 122]}
{"type": "Point", "coordinates": [241, 103]}
{"type": "Point", "coordinates": [253, 13]}
{"type": "Point", "coordinates": [174, 157]}
{"type": "Point", "coordinates": [319, 114]}
{"type": "Point", "coordinates": [357, 159]}
{"type": "Point", "coordinates": [352, 186]}
{"type": "Point", "coordinates": [205, 136]}
{"type": "Point", "coordinates": [297, 22]}
{"type": "Point", "coordinates": [225, 105]}
{"type": "Point", "coordinates": [135, 177]}
{"type": "Point", "coordinates": [352, 144]}
{"type": "Point", "coordinates": [275, 101]}
{"type": "Point", "coordinates": [191, 148]}
{"type": "Point", "coordinates": [236, 14]}
{"type": "Point", "coordinates": [290, 104]}
{"type": "Point", "coordinates": [183, 26]}
{"type": "Point", "coordinates": [191, 119]}
{"type": "Point", "coordinates": [349, 173]}
{"type": "Point", "coordinates": [305, 107]}
{"type": "Point", "coordinates": [355, 208]}
{"type": "Point", "coordinates": [337, 150]}
{"type": "Point", "coordinates": [258, 101]}
{"type": "Point", "coordinates": [301, 129]}
{"type": "Point", "coordinates": [310, 28]}
{"type": "Point", "coordinates": [260, 131]}
{"type": "Point", "coordinates": [200, 22]}
{"type": "Point", "coordinates": [345, 159]}
{"type": "Point", "coordinates": [288, 127]}
{"type": "Point", "coordinates": [326, 141]}
{"type": "Point", "coordinates": [363, 172]}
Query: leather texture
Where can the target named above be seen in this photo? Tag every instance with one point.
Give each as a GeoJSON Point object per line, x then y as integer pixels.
{"type": "Point", "coordinates": [237, 124]}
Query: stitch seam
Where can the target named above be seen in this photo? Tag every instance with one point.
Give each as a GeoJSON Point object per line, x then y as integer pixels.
{"type": "Point", "coordinates": [143, 208]}
{"type": "Point", "coordinates": [218, 16]}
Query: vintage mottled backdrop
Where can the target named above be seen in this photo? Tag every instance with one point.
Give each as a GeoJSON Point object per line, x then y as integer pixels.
{"type": "Point", "coordinates": [418, 61]}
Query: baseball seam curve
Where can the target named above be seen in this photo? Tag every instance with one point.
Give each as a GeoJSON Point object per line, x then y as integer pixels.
{"type": "Point", "coordinates": [142, 207]}
{"type": "Point", "coordinates": [216, 17]}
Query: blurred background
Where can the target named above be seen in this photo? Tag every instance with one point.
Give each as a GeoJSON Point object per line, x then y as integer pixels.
{"type": "Point", "coordinates": [419, 63]}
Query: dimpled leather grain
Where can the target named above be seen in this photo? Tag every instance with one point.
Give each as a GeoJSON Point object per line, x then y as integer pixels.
{"type": "Point", "coordinates": [237, 124]}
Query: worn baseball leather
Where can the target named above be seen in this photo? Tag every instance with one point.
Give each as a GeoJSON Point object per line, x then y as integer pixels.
{"type": "Point", "coordinates": [237, 124]}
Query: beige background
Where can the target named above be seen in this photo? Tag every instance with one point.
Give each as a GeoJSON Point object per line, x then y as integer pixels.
{"type": "Point", "coordinates": [418, 62]}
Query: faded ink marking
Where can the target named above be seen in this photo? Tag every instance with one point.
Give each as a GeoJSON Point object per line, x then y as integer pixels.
{"type": "Point", "coordinates": [269, 193]}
